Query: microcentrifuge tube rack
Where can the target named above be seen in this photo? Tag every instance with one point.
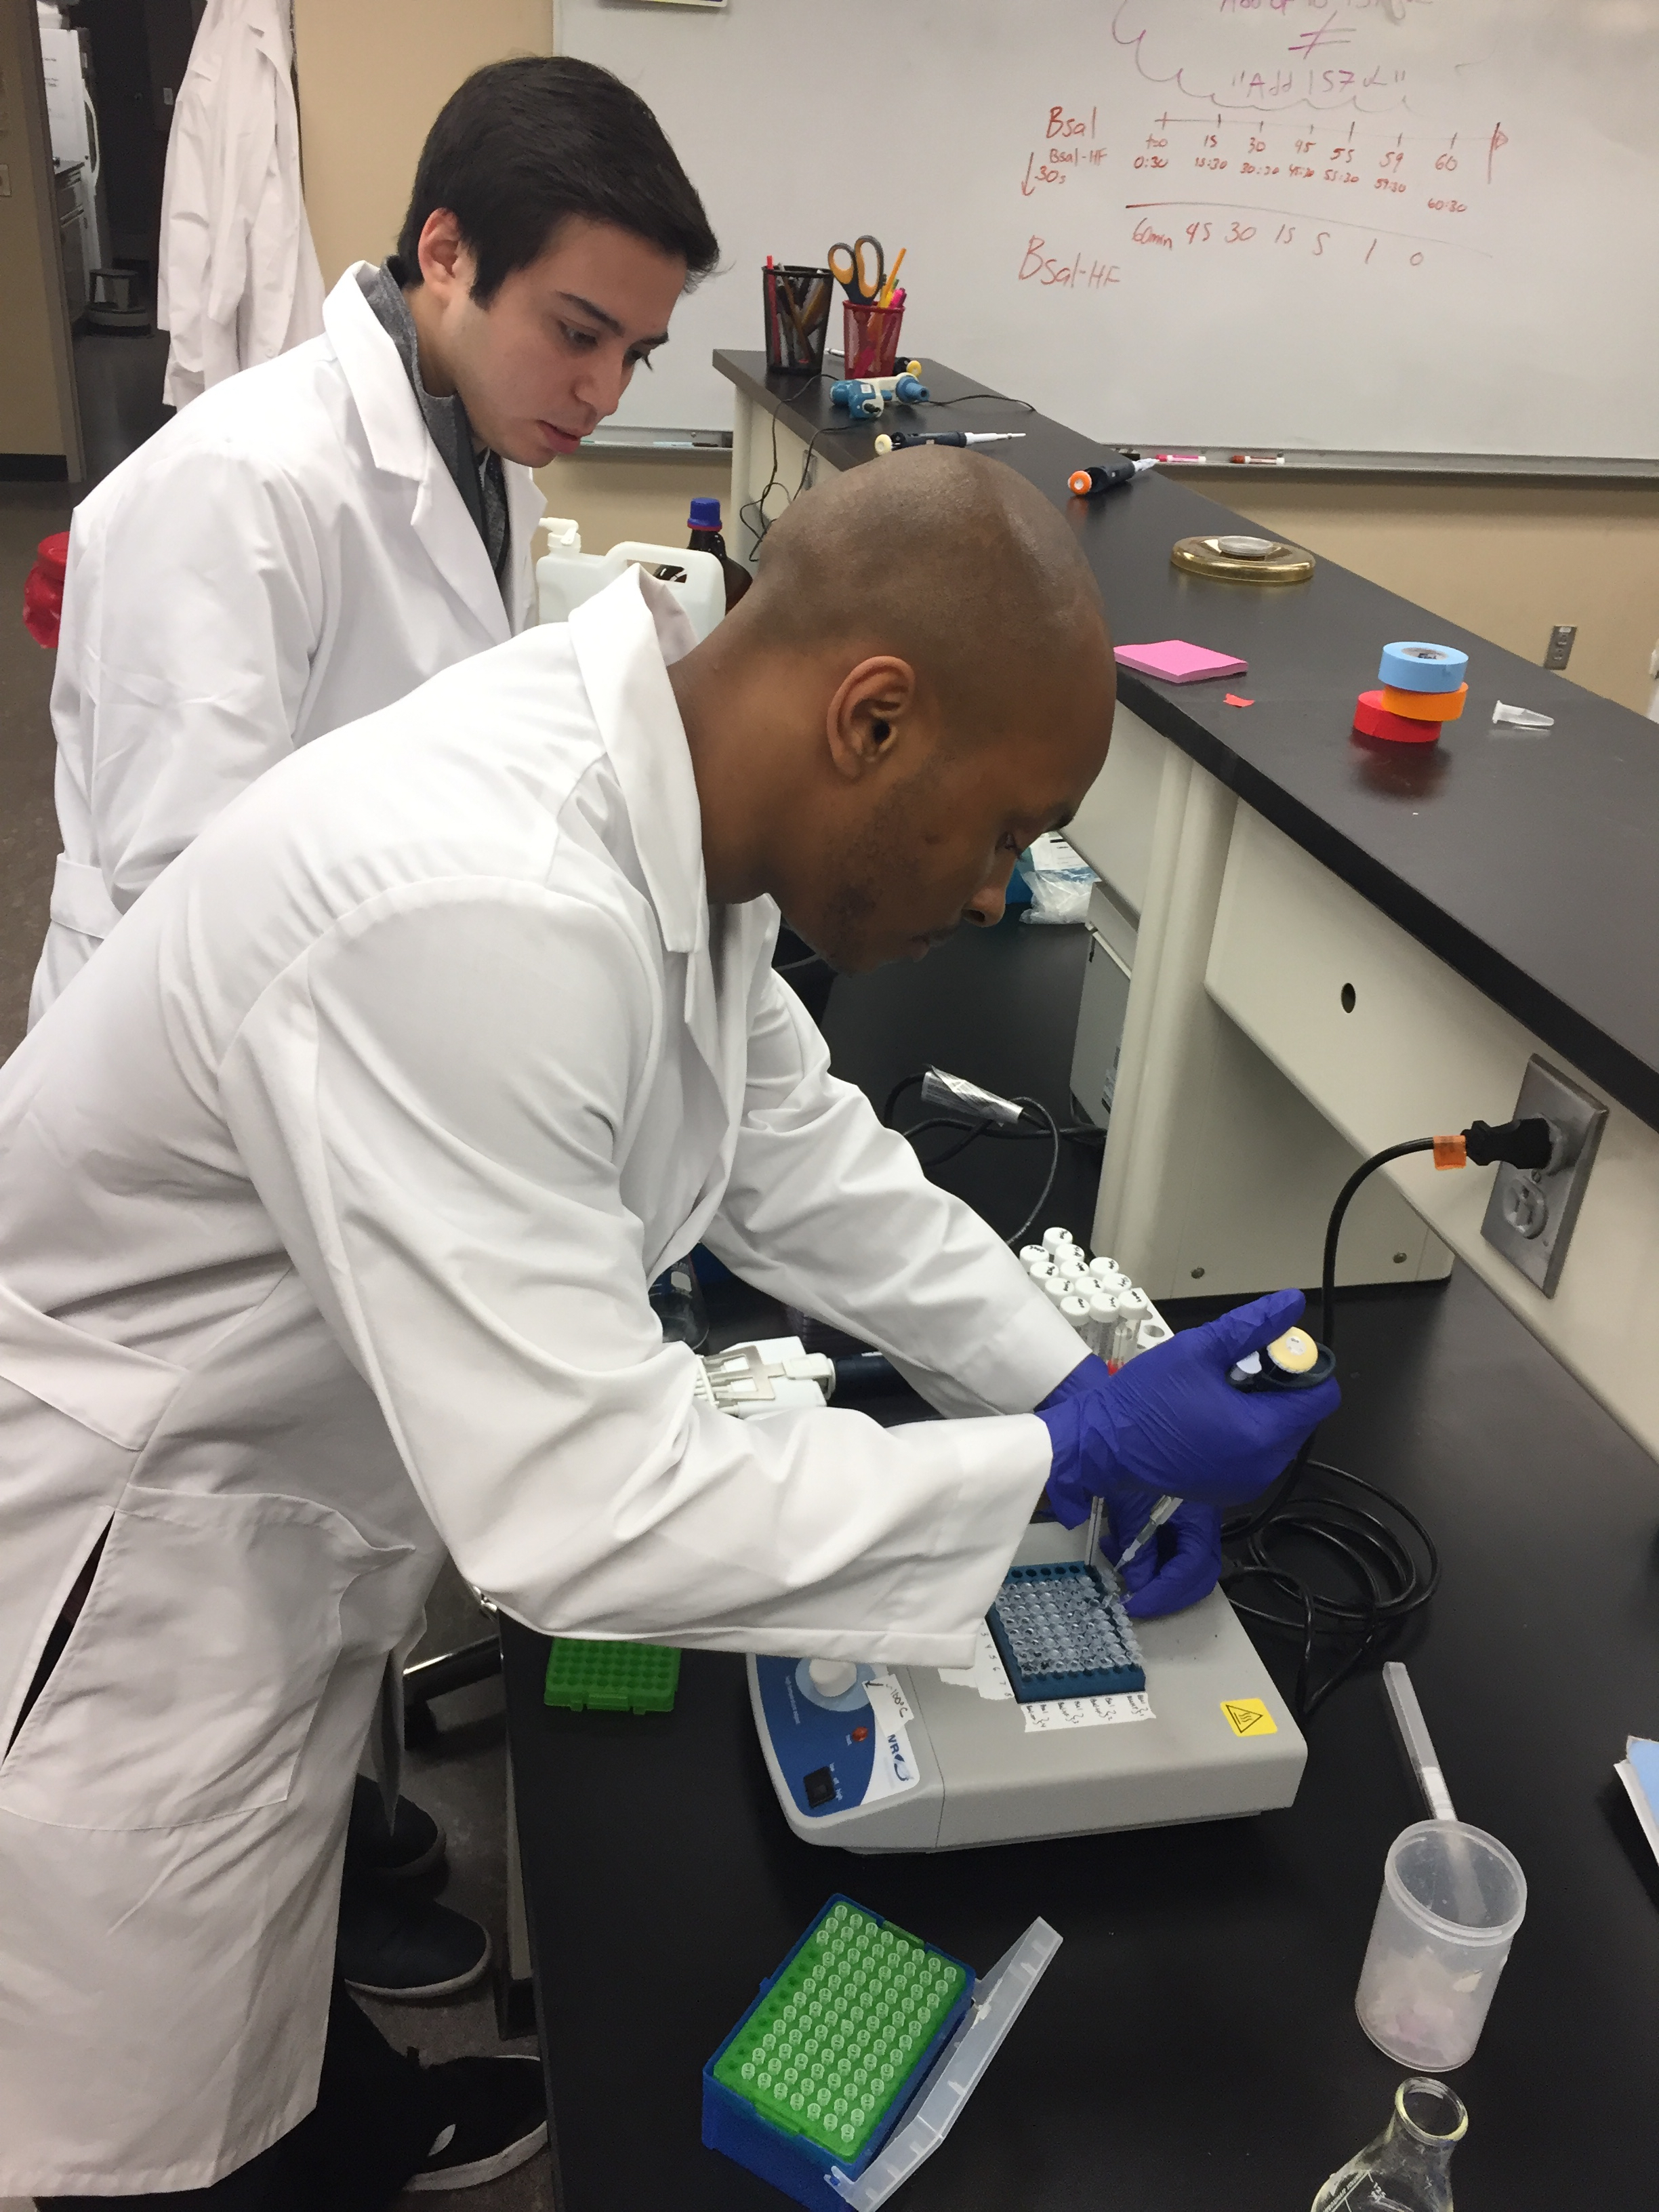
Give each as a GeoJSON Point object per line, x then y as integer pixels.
{"type": "Point", "coordinates": [1062, 1633]}
{"type": "Point", "coordinates": [584, 1675]}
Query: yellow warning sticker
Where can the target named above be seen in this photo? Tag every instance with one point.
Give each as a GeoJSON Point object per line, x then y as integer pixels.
{"type": "Point", "coordinates": [1249, 1717]}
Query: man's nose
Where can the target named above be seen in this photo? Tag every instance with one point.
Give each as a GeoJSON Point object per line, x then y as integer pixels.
{"type": "Point", "coordinates": [987, 905]}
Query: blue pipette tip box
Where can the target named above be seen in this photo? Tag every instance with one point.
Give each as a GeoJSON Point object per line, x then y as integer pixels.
{"type": "Point", "coordinates": [898, 2000]}
{"type": "Point", "coordinates": [1061, 1633]}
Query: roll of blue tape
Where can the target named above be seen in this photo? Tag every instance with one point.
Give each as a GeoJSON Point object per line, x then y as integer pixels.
{"type": "Point", "coordinates": [1418, 667]}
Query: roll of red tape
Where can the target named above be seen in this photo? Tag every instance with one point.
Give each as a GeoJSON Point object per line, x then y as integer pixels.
{"type": "Point", "coordinates": [1372, 720]}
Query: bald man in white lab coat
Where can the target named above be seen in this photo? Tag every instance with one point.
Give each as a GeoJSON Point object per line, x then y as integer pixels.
{"type": "Point", "coordinates": [329, 1201]}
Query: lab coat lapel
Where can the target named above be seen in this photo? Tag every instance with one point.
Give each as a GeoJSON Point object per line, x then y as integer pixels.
{"type": "Point", "coordinates": [399, 445]}
{"type": "Point", "coordinates": [625, 639]}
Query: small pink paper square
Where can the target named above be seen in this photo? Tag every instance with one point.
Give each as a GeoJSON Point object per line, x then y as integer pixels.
{"type": "Point", "coordinates": [1177, 662]}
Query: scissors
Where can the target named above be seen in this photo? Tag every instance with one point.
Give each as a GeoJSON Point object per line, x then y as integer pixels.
{"type": "Point", "coordinates": [847, 266]}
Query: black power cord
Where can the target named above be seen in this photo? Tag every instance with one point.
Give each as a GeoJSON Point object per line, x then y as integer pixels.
{"type": "Point", "coordinates": [1000, 1131]}
{"type": "Point", "coordinates": [1392, 1571]}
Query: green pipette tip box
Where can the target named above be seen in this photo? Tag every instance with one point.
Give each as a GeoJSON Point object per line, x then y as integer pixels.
{"type": "Point", "coordinates": [611, 1677]}
{"type": "Point", "coordinates": [840, 2031]}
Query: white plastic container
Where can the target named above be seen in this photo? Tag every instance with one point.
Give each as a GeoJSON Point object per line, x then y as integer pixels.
{"type": "Point", "coordinates": [1452, 1898]}
{"type": "Point", "coordinates": [1076, 1310]}
{"type": "Point", "coordinates": [565, 575]}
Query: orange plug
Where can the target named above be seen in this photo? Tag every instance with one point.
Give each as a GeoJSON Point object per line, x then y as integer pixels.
{"type": "Point", "coordinates": [1450, 1152]}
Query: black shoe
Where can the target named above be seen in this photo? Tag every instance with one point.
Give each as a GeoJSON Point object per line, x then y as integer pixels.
{"type": "Point", "coordinates": [391, 1945]}
{"type": "Point", "coordinates": [496, 2111]}
{"type": "Point", "coordinates": [412, 1845]}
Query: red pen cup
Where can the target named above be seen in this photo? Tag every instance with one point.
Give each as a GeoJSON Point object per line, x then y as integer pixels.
{"type": "Point", "coordinates": [869, 338]}
{"type": "Point", "coordinates": [797, 304]}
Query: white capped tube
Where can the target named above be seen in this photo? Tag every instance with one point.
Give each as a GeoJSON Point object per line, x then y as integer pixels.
{"type": "Point", "coordinates": [1107, 1278]}
{"type": "Point", "coordinates": [1125, 1328]}
{"type": "Point", "coordinates": [1057, 1287]}
{"type": "Point", "coordinates": [1102, 1319]}
{"type": "Point", "coordinates": [1030, 1254]}
{"type": "Point", "coordinates": [1058, 1240]}
{"type": "Point", "coordinates": [1102, 1266]}
{"type": "Point", "coordinates": [1132, 1302]}
{"type": "Point", "coordinates": [1076, 1310]}
{"type": "Point", "coordinates": [1042, 1271]}
{"type": "Point", "coordinates": [1075, 1271]}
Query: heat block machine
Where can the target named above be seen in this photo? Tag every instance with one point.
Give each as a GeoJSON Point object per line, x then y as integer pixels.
{"type": "Point", "coordinates": [1072, 1720]}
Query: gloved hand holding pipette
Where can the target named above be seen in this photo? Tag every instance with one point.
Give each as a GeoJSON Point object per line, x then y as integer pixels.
{"type": "Point", "coordinates": [1171, 1423]}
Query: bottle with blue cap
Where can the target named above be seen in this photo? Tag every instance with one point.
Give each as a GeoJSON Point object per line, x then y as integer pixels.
{"type": "Point", "coordinates": [704, 523]}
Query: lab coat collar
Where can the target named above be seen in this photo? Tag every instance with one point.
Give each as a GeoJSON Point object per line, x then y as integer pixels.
{"type": "Point", "coordinates": [400, 445]}
{"type": "Point", "coordinates": [626, 639]}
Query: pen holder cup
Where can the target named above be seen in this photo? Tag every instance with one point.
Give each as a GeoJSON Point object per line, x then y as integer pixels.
{"type": "Point", "coordinates": [1452, 1899]}
{"type": "Point", "coordinates": [869, 338]}
{"type": "Point", "coordinates": [797, 303]}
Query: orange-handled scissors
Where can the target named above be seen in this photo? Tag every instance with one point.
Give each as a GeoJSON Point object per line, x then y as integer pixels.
{"type": "Point", "coordinates": [850, 265]}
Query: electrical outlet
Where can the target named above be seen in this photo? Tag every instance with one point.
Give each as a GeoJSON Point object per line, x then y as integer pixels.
{"type": "Point", "coordinates": [1531, 1212]}
{"type": "Point", "coordinates": [1560, 645]}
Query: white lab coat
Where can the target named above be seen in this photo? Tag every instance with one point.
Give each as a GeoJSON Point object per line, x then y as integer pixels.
{"type": "Point", "coordinates": [329, 1201]}
{"type": "Point", "coordinates": [237, 281]}
{"type": "Point", "coordinates": [288, 555]}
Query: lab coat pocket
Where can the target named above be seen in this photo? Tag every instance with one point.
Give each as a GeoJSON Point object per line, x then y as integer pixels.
{"type": "Point", "coordinates": [189, 1683]}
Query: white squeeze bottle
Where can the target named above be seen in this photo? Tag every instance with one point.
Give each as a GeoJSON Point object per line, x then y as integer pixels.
{"type": "Point", "coordinates": [565, 575]}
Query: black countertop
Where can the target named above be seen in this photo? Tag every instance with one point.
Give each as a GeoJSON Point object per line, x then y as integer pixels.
{"type": "Point", "coordinates": [1529, 863]}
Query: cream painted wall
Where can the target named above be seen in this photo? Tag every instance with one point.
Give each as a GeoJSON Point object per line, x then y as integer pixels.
{"type": "Point", "coordinates": [36, 402]}
{"type": "Point", "coordinates": [614, 499]}
{"type": "Point", "coordinates": [373, 74]}
{"type": "Point", "coordinates": [1506, 561]}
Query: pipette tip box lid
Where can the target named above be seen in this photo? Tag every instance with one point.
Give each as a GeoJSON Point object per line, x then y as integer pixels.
{"type": "Point", "coordinates": [891, 2028]}
{"type": "Point", "coordinates": [585, 1674]}
{"type": "Point", "coordinates": [1062, 1633]}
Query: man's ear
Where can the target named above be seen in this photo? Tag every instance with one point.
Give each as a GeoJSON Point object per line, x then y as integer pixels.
{"type": "Point", "coordinates": [446, 261]}
{"type": "Point", "coordinates": [870, 716]}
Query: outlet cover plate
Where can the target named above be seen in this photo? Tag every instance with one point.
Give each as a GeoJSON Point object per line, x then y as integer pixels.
{"type": "Point", "coordinates": [1530, 1213]}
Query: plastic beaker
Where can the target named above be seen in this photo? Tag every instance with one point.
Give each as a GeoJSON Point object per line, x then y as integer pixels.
{"type": "Point", "coordinates": [797, 302]}
{"type": "Point", "coordinates": [870, 337]}
{"type": "Point", "coordinates": [1452, 1899]}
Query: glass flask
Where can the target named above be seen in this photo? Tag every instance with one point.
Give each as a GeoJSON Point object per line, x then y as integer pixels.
{"type": "Point", "coordinates": [1408, 2168]}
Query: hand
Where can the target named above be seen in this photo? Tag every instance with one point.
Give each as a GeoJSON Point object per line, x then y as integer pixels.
{"type": "Point", "coordinates": [1172, 1422]}
{"type": "Point", "coordinates": [1178, 1565]}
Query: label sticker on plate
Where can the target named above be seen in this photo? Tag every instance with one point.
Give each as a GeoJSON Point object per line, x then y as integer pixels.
{"type": "Point", "coordinates": [1087, 1712]}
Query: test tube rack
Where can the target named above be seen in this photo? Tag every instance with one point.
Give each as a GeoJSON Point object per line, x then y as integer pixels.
{"type": "Point", "coordinates": [585, 1674]}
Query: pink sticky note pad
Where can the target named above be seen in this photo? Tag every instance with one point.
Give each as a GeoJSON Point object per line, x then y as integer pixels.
{"type": "Point", "coordinates": [1176, 662]}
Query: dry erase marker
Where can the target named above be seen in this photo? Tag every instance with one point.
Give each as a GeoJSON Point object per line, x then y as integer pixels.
{"type": "Point", "coordinates": [1259, 460]}
{"type": "Point", "coordinates": [1182, 457]}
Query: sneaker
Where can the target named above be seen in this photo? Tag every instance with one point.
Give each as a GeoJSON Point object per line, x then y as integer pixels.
{"type": "Point", "coordinates": [411, 1844]}
{"type": "Point", "coordinates": [497, 2110]}
{"type": "Point", "coordinates": [406, 1948]}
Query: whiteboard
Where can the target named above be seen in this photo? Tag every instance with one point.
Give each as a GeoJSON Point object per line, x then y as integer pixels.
{"type": "Point", "coordinates": [1392, 226]}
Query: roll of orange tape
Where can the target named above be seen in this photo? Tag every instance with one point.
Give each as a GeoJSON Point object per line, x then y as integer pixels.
{"type": "Point", "coordinates": [1425, 706]}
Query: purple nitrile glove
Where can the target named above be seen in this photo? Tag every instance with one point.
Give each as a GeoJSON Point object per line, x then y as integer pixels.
{"type": "Point", "coordinates": [1178, 1565]}
{"type": "Point", "coordinates": [1170, 1421]}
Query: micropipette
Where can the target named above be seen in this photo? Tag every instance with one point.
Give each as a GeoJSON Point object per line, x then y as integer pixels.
{"type": "Point", "coordinates": [1160, 1513]}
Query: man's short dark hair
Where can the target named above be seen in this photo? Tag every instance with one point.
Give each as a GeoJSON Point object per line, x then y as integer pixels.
{"type": "Point", "coordinates": [524, 143]}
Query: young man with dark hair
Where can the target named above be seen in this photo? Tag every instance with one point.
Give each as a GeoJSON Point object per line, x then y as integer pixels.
{"type": "Point", "coordinates": [312, 539]}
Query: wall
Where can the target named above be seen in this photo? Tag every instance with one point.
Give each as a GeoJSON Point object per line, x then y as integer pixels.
{"type": "Point", "coordinates": [614, 499]}
{"type": "Point", "coordinates": [1506, 561]}
{"type": "Point", "coordinates": [373, 74]}
{"type": "Point", "coordinates": [36, 411]}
